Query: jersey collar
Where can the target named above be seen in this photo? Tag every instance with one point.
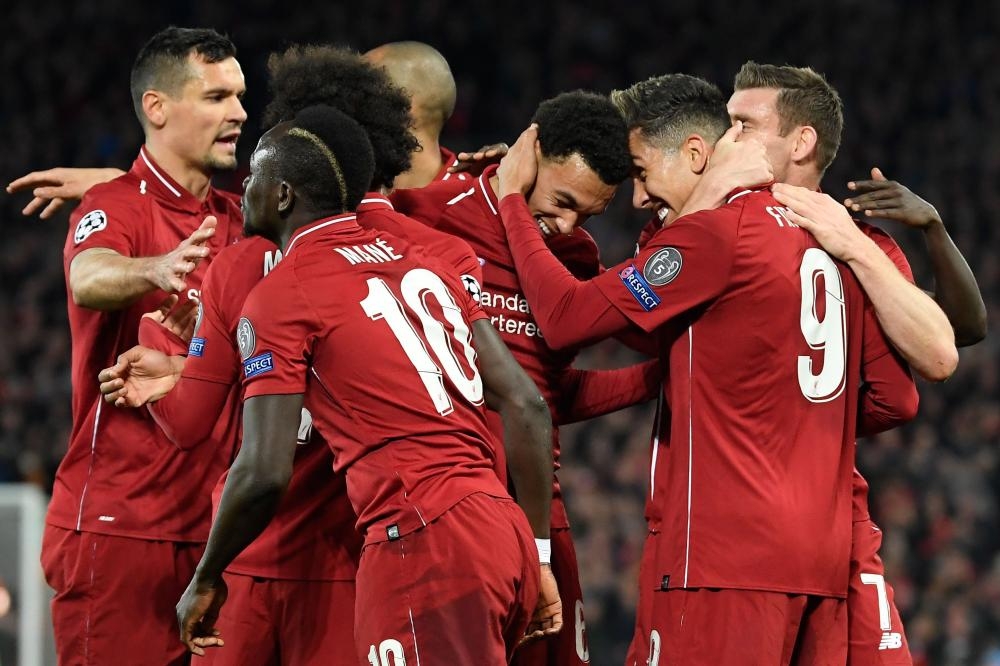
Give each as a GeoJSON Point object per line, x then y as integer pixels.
{"type": "Point", "coordinates": [318, 225]}
{"type": "Point", "coordinates": [375, 201]}
{"type": "Point", "coordinates": [153, 179]}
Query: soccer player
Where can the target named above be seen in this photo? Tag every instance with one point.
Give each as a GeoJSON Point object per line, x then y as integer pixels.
{"type": "Point", "coordinates": [419, 470]}
{"type": "Point", "coordinates": [423, 73]}
{"type": "Point", "coordinates": [130, 513]}
{"type": "Point", "coordinates": [774, 103]}
{"type": "Point", "coordinates": [762, 427]}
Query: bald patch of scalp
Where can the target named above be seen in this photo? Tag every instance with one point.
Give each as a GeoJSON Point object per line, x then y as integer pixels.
{"type": "Point", "coordinates": [425, 75]}
{"type": "Point", "coordinates": [585, 124]}
{"type": "Point", "coordinates": [304, 76]}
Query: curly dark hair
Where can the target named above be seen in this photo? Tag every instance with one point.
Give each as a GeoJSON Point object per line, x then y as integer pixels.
{"type": "Point", "coordinates": [326, 155]}
{"type": "Point", "coordinates": [589, 125]}
{"type": "Point", "coordinates": [304, 76]}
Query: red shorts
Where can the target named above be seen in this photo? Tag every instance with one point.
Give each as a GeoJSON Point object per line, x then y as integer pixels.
{"type": "Point", "coordinates": [734, 627]}
{"type": "Point", "coordinates": [115, 597]}
{"type": "Point", "coordinates": [875, 630]}
{"type": "Point", "coordinates": [569, 646]}
{"type": "Point", "coordinates": [267, 622]}
{"type": "Point", "coordinates": [638, 649]}
{"type": "Point", "coordinates": [459, 591]}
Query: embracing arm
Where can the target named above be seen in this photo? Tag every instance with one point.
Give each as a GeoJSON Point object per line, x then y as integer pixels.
{"type": "Point", "coordinates": [587, 394]}
{"type": "Point", "coordinates": [955, 288]}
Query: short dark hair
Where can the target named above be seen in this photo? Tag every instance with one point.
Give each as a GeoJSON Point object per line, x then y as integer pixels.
{"type": "Point", "coordinates": [667, 109]}
{"type": "Point", "coordinates": [326, 156]}
{"type": "Point", "coordinates": [162, 62]}
{"type": "Point", "coordinates": [585, 124]}
{"type": "Point", "coordinates": [307, 75]}
{"type": "Point", "coordinates": [804, 98]}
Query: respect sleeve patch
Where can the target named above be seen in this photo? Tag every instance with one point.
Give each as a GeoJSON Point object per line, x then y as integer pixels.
{"type": "Point", "coordinates": [197, 347]}
{"type": "Point", "coordinates": [639, 287]}
{"type": "Point", "coordinates": [258, 365]}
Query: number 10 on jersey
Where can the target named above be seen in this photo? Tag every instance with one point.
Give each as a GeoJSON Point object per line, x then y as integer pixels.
{"type": "Point", "coordinates": [415, 288]}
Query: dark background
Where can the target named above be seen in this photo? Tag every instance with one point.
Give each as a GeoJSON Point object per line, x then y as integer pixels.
{"type": "Point", "coordinates": [920, 84]}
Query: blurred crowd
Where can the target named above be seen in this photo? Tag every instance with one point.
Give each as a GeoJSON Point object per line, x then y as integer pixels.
{"type": "Point", "coordinates": [920, 86]}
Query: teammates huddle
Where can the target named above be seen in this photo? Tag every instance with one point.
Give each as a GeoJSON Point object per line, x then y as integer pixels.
{"type": "Point", "coordinates": [315, 444]}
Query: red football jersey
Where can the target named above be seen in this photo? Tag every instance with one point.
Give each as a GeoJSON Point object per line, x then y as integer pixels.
{"type": "Point", "coordinates": [448, 159]}
{"type": "Point", "coordinates": [762, 390]}
{"type": "Point", "coordinates": [312, 536]}
{"type": "Point", "coordinates": [376, 333]}
{"type": "Point", "coordinates": [468, 210]}
{"type": "Point", "coordinates": [120, 474]}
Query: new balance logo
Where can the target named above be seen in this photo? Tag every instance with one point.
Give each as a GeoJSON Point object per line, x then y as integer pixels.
{"type": "Point", "coordinates": [891, 641]}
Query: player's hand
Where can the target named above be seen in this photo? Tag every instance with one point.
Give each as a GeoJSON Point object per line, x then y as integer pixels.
{"type": "Point", "coordinates": [178, 319]}
{"type": "Point", "coordinates": [170, 270]}
{"type": "Point", "coordinates": [739, 163]}
{"type": "Point", "coordinates": [197, 612]}
{"type": "Point", "coordinates": [478, 160]}
{"type": "Point", "coordinates": [547, 619]}
{"type": "Point", "coordinates": [54, 187]}
{"type": "Point", "coordinates": [519, 167]}
{"type": "Point", "coordinates": [890, 200]}
{"type": "Point", "coordinates": [140, 376]}
{"type": "Point", "coordinates": [823, 217]}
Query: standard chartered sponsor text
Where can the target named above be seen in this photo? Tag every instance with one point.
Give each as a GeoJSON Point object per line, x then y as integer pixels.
{"type": "Point", "coordinates": [510, 314]}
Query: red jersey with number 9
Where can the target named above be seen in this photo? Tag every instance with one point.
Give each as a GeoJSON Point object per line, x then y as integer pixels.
{"type": "Point", "coordinates": [377, 333]}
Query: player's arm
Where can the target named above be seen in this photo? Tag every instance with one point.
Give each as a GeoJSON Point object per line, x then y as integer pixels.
{"type": "Point", "coordinates": [889, 398]}
{"type": "Point", "coordinates": [103, 279]}
{"type": "Point", "coordinates": [254, 487]}
{"type": "Point", "coordinates": [914, 323]}
{"type": "Point", "coordinates": [955, 286]}
{"type": "Point", "coordinates": [527, 424]}
{"type": "Point", "coordinates": [54, 187]}
{"type": "Point", "coordinates": [733, 165]}
{"type": "Point", "coordinates": [587, 394]}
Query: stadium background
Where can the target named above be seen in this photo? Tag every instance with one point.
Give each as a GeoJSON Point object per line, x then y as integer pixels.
{"type": "Point", "coordinates": [920, 86]}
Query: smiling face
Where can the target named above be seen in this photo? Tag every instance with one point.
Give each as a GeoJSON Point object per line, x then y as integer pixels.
{"type": "Point", "coordinates": [203, 120]}
{"type": "Point", "coordinates": [566, 193]}
{"type": "Point", "coordinates": [663, 179]}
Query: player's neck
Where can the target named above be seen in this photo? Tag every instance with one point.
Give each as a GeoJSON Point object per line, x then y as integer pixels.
{"type": "Point", "coordinates": [303, 218]}
{"type": "Point", "coordinates": [193, 179]}
{"type": "Point", "coordinates": [802, 176]}
{"type": "Point", "coordinates": [424, 163]}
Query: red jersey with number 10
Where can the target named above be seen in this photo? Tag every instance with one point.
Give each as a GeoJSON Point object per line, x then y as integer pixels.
{"type": "Point", "coordinates": [376, 333]}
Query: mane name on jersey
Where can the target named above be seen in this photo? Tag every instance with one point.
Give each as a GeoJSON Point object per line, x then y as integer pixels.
{"type": "Point", "coordinates": [378, 252]}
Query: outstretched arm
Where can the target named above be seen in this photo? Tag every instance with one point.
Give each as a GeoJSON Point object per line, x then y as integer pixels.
{"type": "Point", "coordinates": [955, 286]}
{"type": "Point", "coordinates": [54, 187]}
{"type": "Point", "coordinates": [913, 322]}
{"type": "Point", "coordinates": [587, 394]}
{"type": "Point", "coordinates": [256, 482]}
{"type": "Point", "coordinates": [102, 279]}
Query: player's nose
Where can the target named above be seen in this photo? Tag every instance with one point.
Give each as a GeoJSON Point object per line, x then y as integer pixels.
{"type": "Point", "coordinates": [640, 198]}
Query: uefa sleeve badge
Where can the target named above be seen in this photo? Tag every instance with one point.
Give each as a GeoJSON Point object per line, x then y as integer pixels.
{"type": "Point", "coordinates": [89, 224]}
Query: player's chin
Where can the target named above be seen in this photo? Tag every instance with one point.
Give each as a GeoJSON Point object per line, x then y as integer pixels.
{"type": "Point", "coordinates": [221, 159]}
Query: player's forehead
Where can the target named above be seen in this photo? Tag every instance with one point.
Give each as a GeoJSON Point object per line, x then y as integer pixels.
{"type": "Point", "coordinates": [643, 152]}
{"type": "Point", "coordinates": [573, 182]}
{"type": "Point", "coordinates": [266, 146]}
{"type": "Point", "coordinates": [752, 103]}
{"type": "Point", "coordinates": [224, 77]}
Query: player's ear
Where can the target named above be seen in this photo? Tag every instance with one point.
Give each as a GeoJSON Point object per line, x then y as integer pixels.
{"type": "Point", "coordinates": [805, 143]}
{"type": "Point", "coordinates": [697, 152]}
{"type": "Point", "coordinates": [154, 106]}
{"type": "Point", "coordinates": [286, 198]}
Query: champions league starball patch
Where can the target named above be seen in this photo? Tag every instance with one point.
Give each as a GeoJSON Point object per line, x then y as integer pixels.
{"type": "Point", "coordinates": [90, 223]}
{"type": "Point", "coordinates": [471, 285]}
{"type": "Point", "coordinates": [246, 338]}
{"type": "Point", "coordinates": [663, 267]}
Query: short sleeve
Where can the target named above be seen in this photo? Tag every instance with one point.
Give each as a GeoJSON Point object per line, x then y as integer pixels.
{"type": "Point", "coordinates": [683, 266]}
{"type": "Point", "coordinates": [275, 336]}
{"type": "Point", "coordinates": [103, 220]}
{"type": "Point", "coordinates": [212, 354]}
